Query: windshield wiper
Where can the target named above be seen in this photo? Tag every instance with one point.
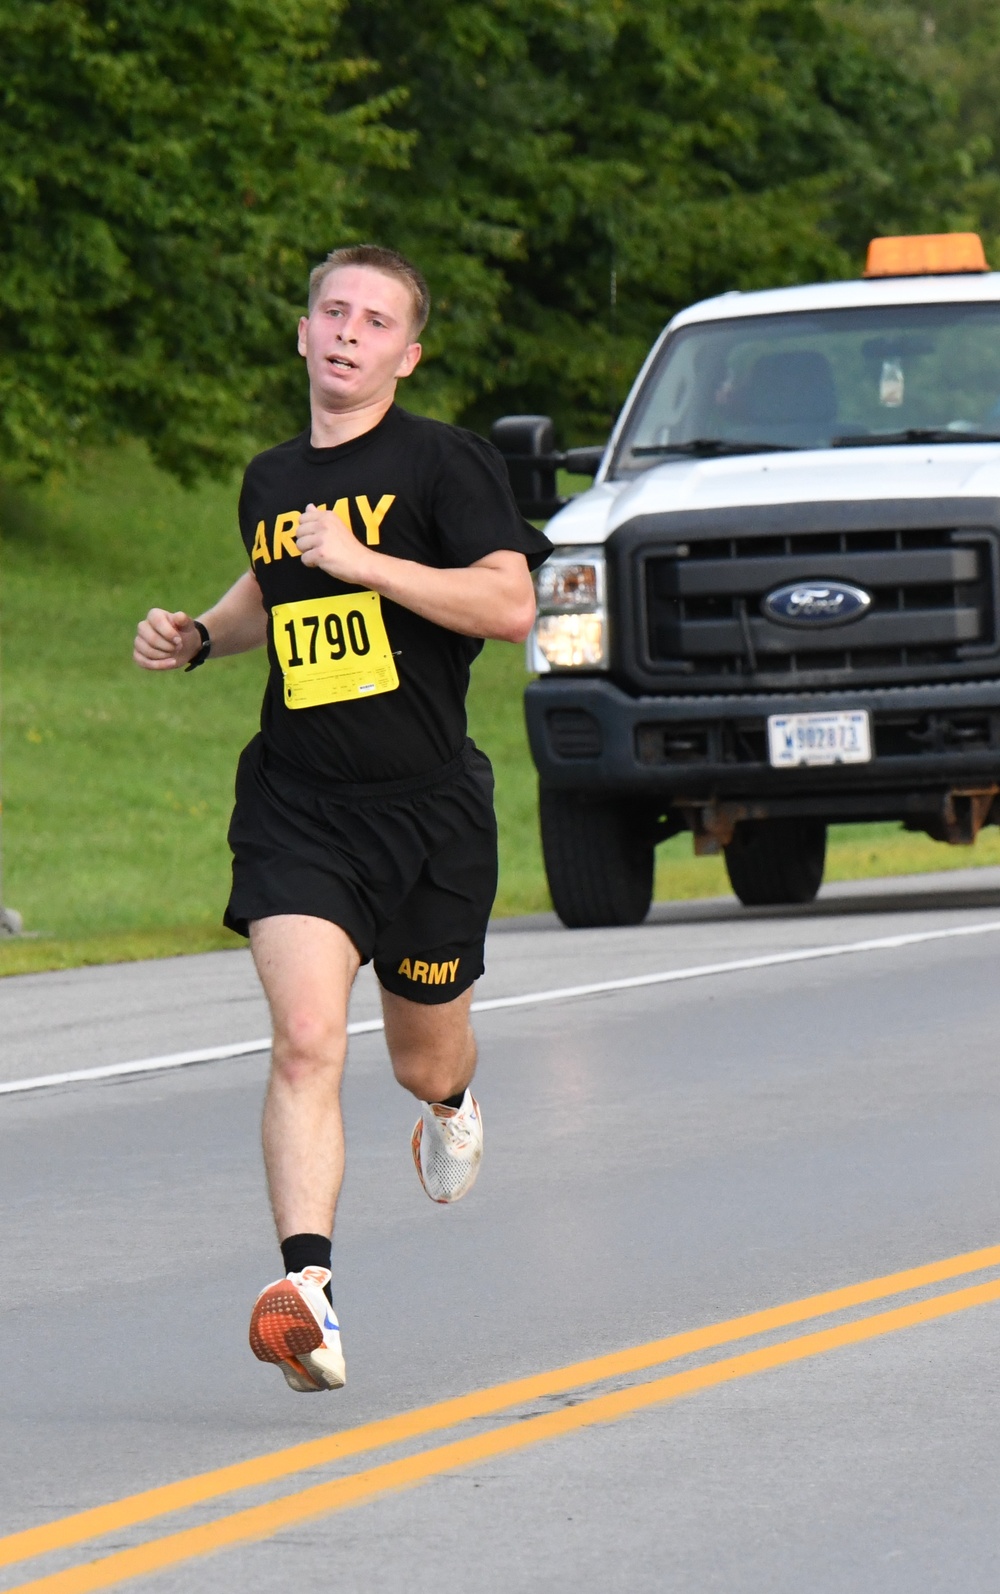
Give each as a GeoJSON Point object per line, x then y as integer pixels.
{"type": "Point", "coordinates": [706, 447]}
{"type": "Point", "coordinates": [913, 434]}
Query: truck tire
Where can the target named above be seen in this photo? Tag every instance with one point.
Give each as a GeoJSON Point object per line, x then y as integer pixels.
{"type": "Point", "coordinates": [598, 859]}
{"type": "Point", "coordinates": [773, 861]}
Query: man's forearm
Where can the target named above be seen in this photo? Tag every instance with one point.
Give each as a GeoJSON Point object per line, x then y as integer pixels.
{"type": "Point", "coordinates": [238, 622]}
{"type": "Point", "coordinates": [494, 598]}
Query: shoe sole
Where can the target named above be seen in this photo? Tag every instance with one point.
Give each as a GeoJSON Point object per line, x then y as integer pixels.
{"type": "Point", "coordinates": [415, 1139]}
{"type": "Point", "coordinates": [283, 1330]}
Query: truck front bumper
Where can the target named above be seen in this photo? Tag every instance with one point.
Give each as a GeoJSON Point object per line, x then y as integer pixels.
{"type": "Point", "coordinates": [589, 735]}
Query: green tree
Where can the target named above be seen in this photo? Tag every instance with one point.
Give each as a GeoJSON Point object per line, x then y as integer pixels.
{"type": "Point", "coordinates": [582, 168]}
{"type": "Point", "coordinates": [168, 173]}
{"type": "Point", "coordinates": [954, 45]}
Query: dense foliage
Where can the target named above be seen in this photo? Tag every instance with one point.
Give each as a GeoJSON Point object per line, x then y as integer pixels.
{"type": "Point", "coordinates": [168, 172]}
{"type": "Point", "coordinates": [568, 172]}
{"type": "Point", "coordinates": [582, 168]}
{"type": "Point", "coordinates": [954, 44]}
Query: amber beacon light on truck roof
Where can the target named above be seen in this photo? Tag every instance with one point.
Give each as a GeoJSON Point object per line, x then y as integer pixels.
{"type": "Point", "coordinates": [937, 254]}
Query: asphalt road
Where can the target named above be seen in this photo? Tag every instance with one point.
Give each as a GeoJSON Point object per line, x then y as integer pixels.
{"type": "Point", "coordinates": [660, 1159]}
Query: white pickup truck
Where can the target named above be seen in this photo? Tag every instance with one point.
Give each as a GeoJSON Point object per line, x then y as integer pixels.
{"type": "Point", "coordinates": [779, 604]}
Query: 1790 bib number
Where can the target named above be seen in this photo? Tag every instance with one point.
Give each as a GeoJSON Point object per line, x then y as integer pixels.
{"type": "Point", "coordinates": [333, 649]}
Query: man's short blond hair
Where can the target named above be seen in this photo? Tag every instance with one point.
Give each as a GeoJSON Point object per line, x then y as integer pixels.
{"type": "Point", "coordinates": [389, 262]}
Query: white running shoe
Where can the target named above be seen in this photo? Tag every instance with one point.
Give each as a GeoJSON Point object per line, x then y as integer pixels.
{"type": "Point", "coordinates": [447, 1148]}
{"type": "Point", "coordinates": [293, 1324]}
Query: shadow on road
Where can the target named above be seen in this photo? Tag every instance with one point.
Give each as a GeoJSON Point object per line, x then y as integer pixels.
{"type": "Point", "coordinates": [955, 890]}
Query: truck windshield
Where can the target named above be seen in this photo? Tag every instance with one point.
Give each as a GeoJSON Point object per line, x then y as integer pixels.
{"type": "Point", "coordinates": [816, 379]}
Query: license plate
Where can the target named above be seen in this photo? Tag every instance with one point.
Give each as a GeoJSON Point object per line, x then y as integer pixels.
{"type": "Point", "coordinates": [842, 737]}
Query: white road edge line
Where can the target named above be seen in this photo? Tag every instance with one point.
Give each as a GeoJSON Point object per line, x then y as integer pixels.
{"type": "Point", "coordinates": [371, 1026]}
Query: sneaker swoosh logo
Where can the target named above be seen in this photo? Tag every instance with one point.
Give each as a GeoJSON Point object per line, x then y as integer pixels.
{"type": "Point", "coordinates": [334, 1326]}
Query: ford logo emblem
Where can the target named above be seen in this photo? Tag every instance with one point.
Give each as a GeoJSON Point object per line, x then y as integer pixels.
{"type": "Point", "coordinates": [814, 603]}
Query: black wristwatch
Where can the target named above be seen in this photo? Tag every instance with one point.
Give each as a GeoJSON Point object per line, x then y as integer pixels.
{"type": "Point", "coordinates": [204, 650]}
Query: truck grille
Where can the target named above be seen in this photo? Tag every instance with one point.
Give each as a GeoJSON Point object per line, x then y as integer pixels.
{"type": "Point", "coordinates": [933, 592]}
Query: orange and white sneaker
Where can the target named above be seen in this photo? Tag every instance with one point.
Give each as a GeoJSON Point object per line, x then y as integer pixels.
{"type": "Point", "coordinates": [447, 1146]}
{"type": "Point", "coordinates": [293, 1324]}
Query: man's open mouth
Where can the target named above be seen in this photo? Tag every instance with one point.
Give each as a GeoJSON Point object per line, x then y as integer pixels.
{"type": "Point", "coordinates": [342, 363]}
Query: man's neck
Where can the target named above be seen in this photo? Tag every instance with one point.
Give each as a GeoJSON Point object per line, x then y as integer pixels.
{"type": "Point", "coordinates": [330, 428]}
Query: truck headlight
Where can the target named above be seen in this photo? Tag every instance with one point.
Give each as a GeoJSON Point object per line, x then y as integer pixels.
{"type": "Point", "coordinates": [571, 631]}
{"type": "Point", "coordinates": [570, 641]}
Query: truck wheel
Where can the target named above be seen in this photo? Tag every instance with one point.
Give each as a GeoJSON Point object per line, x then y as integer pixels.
{"type": "Point", "coordinates": [598, 859]}
{"type": "Point", "coordinates": [771, 861]}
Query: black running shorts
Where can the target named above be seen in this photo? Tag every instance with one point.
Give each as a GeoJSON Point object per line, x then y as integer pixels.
{"type": "Point", "coordinates": [407, 868]}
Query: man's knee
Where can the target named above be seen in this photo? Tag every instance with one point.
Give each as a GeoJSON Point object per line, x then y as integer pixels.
{"type": "Point", "coordinates": [307, 1047]}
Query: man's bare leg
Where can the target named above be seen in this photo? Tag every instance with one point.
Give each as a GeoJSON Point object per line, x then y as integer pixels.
{"type": "Point", "coordinates": [433, 1049]}
{"type": "Point", "coordinates": [307, 967]}
{"type": "Point", "coordinates": [433, 1053]}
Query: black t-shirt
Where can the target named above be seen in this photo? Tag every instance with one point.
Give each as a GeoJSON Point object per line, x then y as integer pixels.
{"type": "Point", "coordinates": [415, 489]}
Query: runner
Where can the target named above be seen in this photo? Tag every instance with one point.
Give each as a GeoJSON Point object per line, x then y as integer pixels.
{"type": "Point", "coordinates": [382, 548]}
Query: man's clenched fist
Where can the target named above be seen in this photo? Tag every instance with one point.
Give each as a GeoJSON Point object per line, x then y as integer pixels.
{"type": "Point", "coordinates": [325, 542]}
{"type": "Point", "coordinates": [165, 641]}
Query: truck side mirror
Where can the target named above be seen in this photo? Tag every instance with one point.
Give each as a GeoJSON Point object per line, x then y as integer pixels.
{"type": "Point", "coordinates": [527, 443]}
{"type": "Point", "coordinates": [584, 461]}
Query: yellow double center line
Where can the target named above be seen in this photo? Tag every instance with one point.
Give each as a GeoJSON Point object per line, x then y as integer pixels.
{"type": "Point", "coordinates": [322, 1498]}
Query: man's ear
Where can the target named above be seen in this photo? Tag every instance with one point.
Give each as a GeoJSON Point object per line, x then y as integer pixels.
{"type": "Point", "coordinates": [303, 326]}
{"type": "Point", "coordinates": [410, 360]}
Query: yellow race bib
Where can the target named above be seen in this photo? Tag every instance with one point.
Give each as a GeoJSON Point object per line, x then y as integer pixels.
{"type": "Point", "coordinates": [333, 649]}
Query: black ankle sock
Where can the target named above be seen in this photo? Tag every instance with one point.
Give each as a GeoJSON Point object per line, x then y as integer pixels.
{"type": "Point", "coordinates": [453, 1101]}
{"type": "Point", "coordinates": [307, 1250]}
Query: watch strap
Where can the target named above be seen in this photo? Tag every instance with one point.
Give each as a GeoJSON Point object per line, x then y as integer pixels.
{"type": "Point", "coordinates": [205, 649]}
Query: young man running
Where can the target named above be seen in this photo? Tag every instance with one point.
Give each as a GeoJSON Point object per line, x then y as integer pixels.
{"type": "Point", "coordinates": [382, 548]}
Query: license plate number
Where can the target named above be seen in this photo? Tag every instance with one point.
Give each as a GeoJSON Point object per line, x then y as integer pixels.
{"type": "Point", "coordinates": [841, 737]}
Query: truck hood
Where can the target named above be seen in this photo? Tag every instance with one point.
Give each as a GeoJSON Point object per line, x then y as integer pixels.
{"type": "Point", "coordinates": [925, 471]}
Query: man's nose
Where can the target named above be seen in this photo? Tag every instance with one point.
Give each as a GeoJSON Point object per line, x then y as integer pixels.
{"type": "Point", "coordinates": [347, 332]}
